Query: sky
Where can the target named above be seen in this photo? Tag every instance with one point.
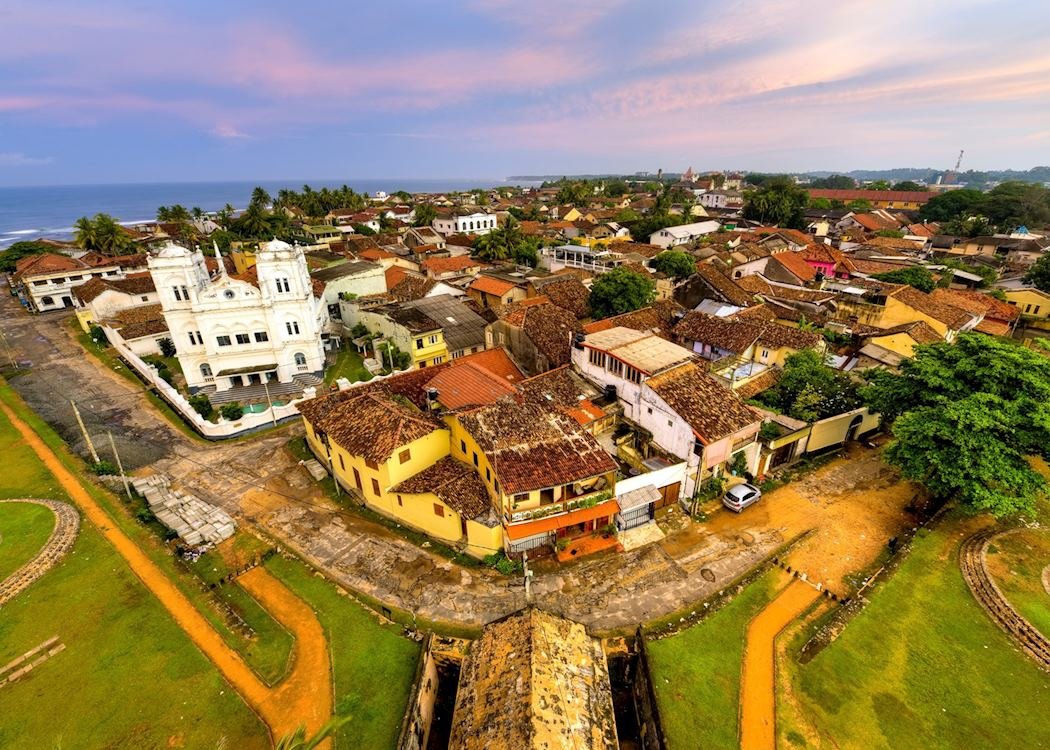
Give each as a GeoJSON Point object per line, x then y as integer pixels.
{"type": "Point", "coordinates": [139, 91]}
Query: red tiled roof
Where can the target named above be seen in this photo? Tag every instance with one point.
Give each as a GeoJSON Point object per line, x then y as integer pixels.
{"type": "Point", "coordinates": [448, 265]}
{"type": "Point", "coordinates": [897, 196]}
{"type": "Point", "coordinates": [46, 263]}
{"type": "Point", "coordinates": [710, 409]}
{"type": "Point", "coordinates": [796, 265]}
{"type": "Point", "coordinates": [469, 384]}
{"type": "Point", "coordinates": [492, 285]}
{"type": "Point", "coordinates": [497, 362]}
{"type": "Point", "coordinates": [950, 315]}
{"type": "Point", "coordinates": [455, 483]}
{"type": "Point", "coordinates": [137, 285]}
{"type": "Point", "coordinates": [375, 253]}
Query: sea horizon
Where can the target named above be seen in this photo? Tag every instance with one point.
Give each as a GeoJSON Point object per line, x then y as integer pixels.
{"type": "Point", "coordinates": [49, 211]}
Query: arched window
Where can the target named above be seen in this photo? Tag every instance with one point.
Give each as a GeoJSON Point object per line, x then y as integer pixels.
{"type": "Point", "coordinates": [206, 371]}
{"type": "Point", "coordinates": [300, 361]}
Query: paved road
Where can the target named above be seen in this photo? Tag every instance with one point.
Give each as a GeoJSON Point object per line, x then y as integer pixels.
{"type": "Point", "coordinates": [260, 482]}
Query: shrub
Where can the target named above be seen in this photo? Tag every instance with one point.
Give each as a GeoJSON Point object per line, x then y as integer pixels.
{"type": "Point", "coordinates": [103, 468]}
{"type": "Point", "coordinates": [98, 335]}
{"type": "Point", "coordinates": [739, 465]}
{"type": "Point", "coordinates": [202, 405]}
{"type": "Point", "coordinates": [167, 347]}
{"type": "Point", "coordinates": [232, 411]}
{"type": "Point", "coordinates": [768, 431]}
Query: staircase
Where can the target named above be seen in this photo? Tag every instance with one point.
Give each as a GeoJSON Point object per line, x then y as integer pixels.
{"type": "Point", "coordinates": [257, 392]}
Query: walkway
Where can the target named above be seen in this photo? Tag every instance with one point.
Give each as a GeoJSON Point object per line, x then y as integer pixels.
{"type": "Point", "coordinates": [305, 697]}
{"type": "Point", "coordinates": [67, 523]}
{"type": "Point", "coordinates": [758, 686]}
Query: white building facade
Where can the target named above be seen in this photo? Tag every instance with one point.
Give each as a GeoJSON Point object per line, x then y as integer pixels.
{"type": "Point", "coordinates": [683, 234]}
{"type": "Point", "coordinates": [475, 223]}
{"type": "Point", "coordinates": [229, 332]}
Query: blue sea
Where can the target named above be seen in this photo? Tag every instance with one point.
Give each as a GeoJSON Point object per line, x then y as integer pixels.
{"type": "Point", "coordinates": [28, 213]}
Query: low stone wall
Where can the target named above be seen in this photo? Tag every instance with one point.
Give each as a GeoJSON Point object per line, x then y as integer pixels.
{"type": "Point", "coordinates": [67, 524]}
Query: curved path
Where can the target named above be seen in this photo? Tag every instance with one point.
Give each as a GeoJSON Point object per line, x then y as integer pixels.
{"type": "Point", "coordinates": [1027, 636]}
{"type": "Point", "coordinates": [758, 684]}
{"type": "Point", "coordinates": [67, 523]}
{"type": "Point", "coordinates": [304, 697]}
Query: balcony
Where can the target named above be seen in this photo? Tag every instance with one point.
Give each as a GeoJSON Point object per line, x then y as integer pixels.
{"type": "Point", "coordinates": [567, 504]}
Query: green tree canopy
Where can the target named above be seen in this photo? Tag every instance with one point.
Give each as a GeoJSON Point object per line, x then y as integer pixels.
{"type": "Point", "coordinates": [1014, 204]}
{"type": "Point", "coordinates": [809, 390]}
{"type": "Point", "coordinates": [915, 276]}
{"type": "Point", "coordinates": [619, 291]}
{"type": "Point", "coordinates": [951, 204]}
{"type": "Point", "coordinates": [779, 201]}
{"type": "Point", "coordinates": [909, 186]}
{"type": "Point", "coordinates": [965, 417]}
{"type": "Point", "coordinates": [859, 205]}
{"type": "Point", "coordinates": [103, 234]}
{"type": "Point", "coordinates": [505, 242]}
{"type": "Point", "coordinates": [425, 215]}
{"type": "Point", "coordinates": [834, 182]}
{"type": "Point", "coordinates": [11, 255]}
{"type": "Point", "coordinates": [1038, 275]}
{"type": "Point", "coordinates": [675, 263]}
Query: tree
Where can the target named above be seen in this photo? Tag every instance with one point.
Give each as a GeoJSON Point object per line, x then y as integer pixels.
{"type": "Point", "coordinates": [908, 186]}
{"type": "Point", "coordinates": [951, 204]}
{"type": "Point", "coordinates": [915, 276]}
{"type": "Point", "coordinates": [260, 198]}
{"type": "Point", "coordinates": [879, 185]}
{"type": "Point", "coordinates": [1038, 275]}
{"type": "Point", "coordinates": [103, 234]}
{"type": "Point", "coordinates": [201, 405]}
{"type": "Point", "coordinates": [674, 263]}
{"type": "Point", "coordinates": [167, 347]}
{"type": "Point", "coordinates": [1014, 204]}
{"type": "Point", "coordinates": [965, 417]}
{"type": "Point", "coordinates": [504, 242]}
{"type": "Point", "coordinates": [820, 203]}
{"type": "Point", "coordinates": [232, 411]}
{"type": "Point", "coordinates": [84, 233]}
{"type": "Point", "coordinates": [779, 202]}
{"type": "Point", "coordinates": [808, 390]}
{"type": "Point", "coordinates": [860, 205]}
{"type": "Point", "coordinates": [252, 224]}
{"type": "Point", "coordinates": [425, 215]}
{"type": "Point", "coordinates": [619, 291]}
{"type": "Point", "coordinates": [834, 182]}
{"type": "Point", "coordinates": [10, 256]}
{"type": "Point", "coordinates": [967, 227]}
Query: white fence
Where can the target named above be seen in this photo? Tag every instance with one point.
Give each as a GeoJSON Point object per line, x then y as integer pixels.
{"type": "Point", "coordinates": [214, 430]}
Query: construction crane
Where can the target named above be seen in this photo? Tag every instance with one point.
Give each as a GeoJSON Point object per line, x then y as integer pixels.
{"type": "Point", "coordinates": [953, 174]}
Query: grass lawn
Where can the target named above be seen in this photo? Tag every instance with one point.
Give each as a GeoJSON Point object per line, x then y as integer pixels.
{"type": "Point", "coordinates": [129, 677]}
{"type": "Point", "coordinates": [1016, 562]}
{"type": "Point", "coordinates": [24, 530]}
{"type": "Point", "coordinates": [348, 364]}
{"type": "Point", "coordinates": [923, 666]}
{"type": "Point", "coordinates": [696, 673]}
{"type": "Point", "coordinates": [373, 665]}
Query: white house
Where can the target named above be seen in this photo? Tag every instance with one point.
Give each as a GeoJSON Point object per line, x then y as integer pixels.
{"type": "Point", "coordinates": [683, 234]}
{"type": "Point", "coordinates": [356, 278]}
{"type": "Point", "coordinates": [228, 332]}
{"type": "Point", "coordinates": [101, 298]}
{"type": "Point", "coordinates": [46, 282]}
{"type": "Point", "coordinates": [721, 199]}
{"type": "Point", "coordinates": [662, 390]}
{"type": "Point", "coordinates": [474, 223]}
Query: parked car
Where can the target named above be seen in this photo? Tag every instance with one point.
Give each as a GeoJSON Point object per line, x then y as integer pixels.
{"type": "Point", "coordinates": [741, 496]}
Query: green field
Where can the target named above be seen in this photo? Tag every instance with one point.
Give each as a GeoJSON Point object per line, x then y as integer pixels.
{"type": "Point", "coordinates": [373, 665]}
{"type": "Point", "coordinates": [24, 529]}
{"type": "Point", "coordinates": [1016, 561]}
{"type": "Point", "coordinates": [922, 666]}
{"type": "Point", "coordinates": [129, 677]}
{"type": "Point", "coordinates": [696, 673]}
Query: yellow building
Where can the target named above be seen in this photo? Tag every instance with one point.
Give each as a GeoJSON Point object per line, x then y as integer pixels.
{"type": "Point", "coordinates": [394, 457]}
{"type": "Point", "coordinates": [243, 259]}
{"type": "Point", "coordinates": [895, 306]}
{"type": "Point", "coordinates": [1030, 302]}
{"type": "Point", "coordinates": [410, 329]}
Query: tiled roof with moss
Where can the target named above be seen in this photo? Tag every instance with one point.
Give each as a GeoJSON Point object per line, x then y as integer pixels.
{"type": "Point", "coordinates": [455, 483]}
{"type": "Point", "coordinates": [709, 408]}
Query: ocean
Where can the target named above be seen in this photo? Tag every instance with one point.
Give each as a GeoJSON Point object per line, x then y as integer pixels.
{"type": "Point", "coordinates": [28, 213]}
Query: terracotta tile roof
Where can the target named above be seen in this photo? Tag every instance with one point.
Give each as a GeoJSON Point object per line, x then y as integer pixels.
{"type": "Point", "coordinates": [375, 253]}
{"type": "Point", "coordinates": [919, 330]}
{"type": "Point", "coordinates": [33, 265]}
{"type": "Point", "coordinates": [469, 384]}
{"type": "Point", "coordinates": [639, 248]}
{"type": "Point", "coordinates": [492, 285]}
{"type": "Point", "coordinates": [659, 318]}
{"type": "Point", "coordinates": [394, 276]}
{"type": "Point", "coordinates": [514, 313]}
{"type": "Point", "coordinates": [709, 408]}
{"type": "Point", "coordinates": [366, 423]}
{"type": "Point", "coordinates": [737, 335]}
{"type": "Point", "coordinates": [756, 312]}
{"type": "Point", "coordinates": [449, 265]}
{"type": "Point", "coordinates": [897, 196]}
{"type": "Point", "coordinates": [139, 321]}
{"type": "Point", "coordinates": [950, 315]}
{"type": "Point", "coordinates": [135, 285]}
{"type": "Point", "coordinates": [532, 446]}
{"type": "Point", "coordinates": [496, 361]}
{"type": "Point", "coordinates": [978, 301]}
{"type": "Point", "coordinates": [455, 483]}
{"type": "Point", "coordinates": [763, 382]}
{"type": "Point", "coordinates": [795, 264]}
{"type": "Point", "coordinates": [863, 265]}
{"type": "Point", "coordinates": [993, 327]}
{"type": "Point", "coordinates": [534, 681]}
{"type": "Point", "coordinates": [757, 284]}
{"type": "Point", "coordinates": [549, 327]}
{"type": "Point", "coordinates": [568, 293]}
{"type": "Point", "coordinates": [411, 287]}
{"type": "Point", "coordinates": [724, 286]}
{"type": "Point", "coordinates": [874, 222]}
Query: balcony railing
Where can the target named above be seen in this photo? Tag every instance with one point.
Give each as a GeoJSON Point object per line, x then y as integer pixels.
{"type": "Point", "coordinates": [587, 500]}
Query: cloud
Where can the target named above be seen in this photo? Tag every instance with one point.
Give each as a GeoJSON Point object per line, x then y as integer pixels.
{"type": "Point", "coordinates": [225, 130]}
{"type": "Point", "coordinates": [18, 159]}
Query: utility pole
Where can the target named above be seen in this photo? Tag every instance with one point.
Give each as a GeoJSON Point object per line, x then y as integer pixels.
{"type": "Point", "coordinates": [120, 466]}
{"type": "Point", "coordinates": [83, 429]}
{"type": "Point", "coordinates": [266, 387]}
{"type": "Point", "coordinates": [528, 576]}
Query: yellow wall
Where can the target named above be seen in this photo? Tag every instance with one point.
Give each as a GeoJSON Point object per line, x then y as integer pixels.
{"type": "Point", "coordinates": [1027, 300]}
{"type": "Point", "coordinates": [897, 313]}
{"type": "Point", "coordinates": [831, 431]}
{"type": "Point", "coordinates": [85, 318]}
{"type": "Point", "coordinates": [242, 260]}
{"type": "Point", "coordinates": [430, 354]}
{"type": "Point", "coordinates": [898, 343]}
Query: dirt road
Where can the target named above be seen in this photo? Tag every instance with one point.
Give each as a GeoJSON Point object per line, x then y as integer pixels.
{"type": "Point", "coordinates": [304, 697]}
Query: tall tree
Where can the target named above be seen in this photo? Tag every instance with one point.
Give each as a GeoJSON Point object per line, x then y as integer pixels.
{"type": "Point", "coordinates": [675, 263]}
{"type": "Point", "coordinates": [619, 291]}
{"type": "Point", "coordinates": [260, 198]}
{"type": "Point", "coordinates": [965, 417]}
{"type": "Point", "coordinates": [425, 215]}
{"type": "Point", "coordinates": [779, 201]}
{"type": "Point", "coordinates": [950, 204]}
{"type": "Point", "coordinates": [1039, 274]}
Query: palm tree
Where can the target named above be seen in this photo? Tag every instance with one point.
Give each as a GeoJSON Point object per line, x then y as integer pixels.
{"type": "Point", "coordinates": [85, 233]}
{"type": "Point", "coordinates": [110, 237]}
{"type": "Point", "coordinates": [297, 740]}
{"type": "Point", "coordinates": [252, 222]}
{"type": "Point", "coordinates": [260, 198]}
{"type": "Point", "coordinates": [197, 213]}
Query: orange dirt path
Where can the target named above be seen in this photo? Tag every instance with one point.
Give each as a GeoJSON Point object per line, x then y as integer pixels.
{"type": "Point", "coordinates": [304, 697]}
{"type": "Point", "coordinates": [758, 684]}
